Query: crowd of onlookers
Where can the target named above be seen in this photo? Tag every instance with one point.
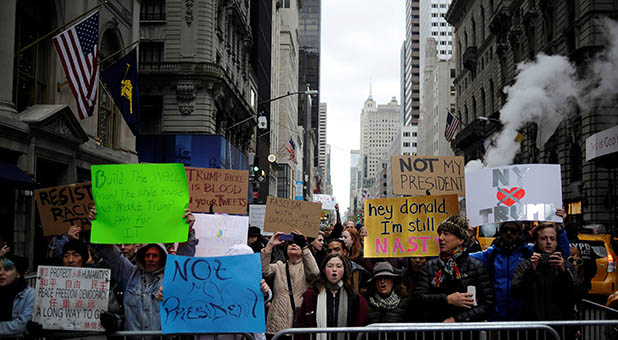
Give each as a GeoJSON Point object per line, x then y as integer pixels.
{"type": "Point", "coordinates": [327, 282]}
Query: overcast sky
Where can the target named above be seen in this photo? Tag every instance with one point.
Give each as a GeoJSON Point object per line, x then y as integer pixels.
{"type": "Point", "coordinates": [361, 42]}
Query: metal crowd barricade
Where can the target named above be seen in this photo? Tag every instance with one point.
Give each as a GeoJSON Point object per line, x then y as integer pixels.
{"type": "Point", "coordinates": [133, 335]}
{"type": "Point", "coordinates": [589, 310]}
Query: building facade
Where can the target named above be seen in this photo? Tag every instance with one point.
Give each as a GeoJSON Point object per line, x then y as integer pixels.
{"type": "Point", "coordinates": [322, 146]}
{"type": "Point", "coordinates": [438, 99]}
{"type": "Point", "coordinates": [355, 183]}
{"type": "Point", "coordinates": [434, 25]}
{"type": "Point", "coordinates": [43, 143]}
{"type": "Point", "coordinates": [412, 63]}
{"type": "Point", "coordinates": [492, 37]}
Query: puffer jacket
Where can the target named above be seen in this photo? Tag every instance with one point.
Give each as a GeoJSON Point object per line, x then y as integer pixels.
{"type": "Point", "coordinates": [501, 263]}
{"type": "Point", "coordinates": [23, 307]}
{"type": "Point", "coordinates": [547, 292]}
{"type": "Point", "coordinates": [302, 272]}
{"type": "Point", "coordinates": [379, 315]}
{"type": "Point", "coordinates": [432, 300]}
{"type": "Point", "coordinates": [140, 287]}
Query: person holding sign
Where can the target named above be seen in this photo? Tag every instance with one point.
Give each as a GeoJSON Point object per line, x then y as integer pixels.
{"type": "Point", "coordinates": [454, 287]}
{"type": "Point", "coordinates": [141, 282]}
{"type": "Point", "coordinates": [290, 279]}
{"type": "Point", "coordinates": [331, 302]}
{"type": "Point", "coordinates": [16, 297]}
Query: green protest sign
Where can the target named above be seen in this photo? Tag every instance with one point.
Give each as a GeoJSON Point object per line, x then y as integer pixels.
{"type": "Point", "coordinates": [139, 203]}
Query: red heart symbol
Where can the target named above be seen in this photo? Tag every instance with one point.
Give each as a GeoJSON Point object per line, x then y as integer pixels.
{"type": "Point", "coordinates": [516, 192]}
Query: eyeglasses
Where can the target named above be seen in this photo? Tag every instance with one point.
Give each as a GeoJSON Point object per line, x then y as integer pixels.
{"type": "Point", "coordinates": [575, 262]}
{"type": "Point", "coordinates": [335, 249]}
{"type": "Point", "coordinates": [512, 231]}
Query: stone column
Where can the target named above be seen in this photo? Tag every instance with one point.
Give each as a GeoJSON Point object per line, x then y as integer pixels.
{"type": "Point", "coordinates": [7, 54]}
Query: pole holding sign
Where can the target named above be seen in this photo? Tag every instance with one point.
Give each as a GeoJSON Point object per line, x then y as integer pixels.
{"type": "Point", "coordinates": [289, 215]}
{"type": "Point", "coordinates": [406, 226]}
{"type": "Point", "coordinates": [525, 192]}
{"type": "Point", "coordinates": [70, 298]}
{"type": "Point", "coordinates": [212, 295]}
{"type": "Point", "coordinates": [139, 203]}
{"type": "Point", "coordinates": [433, 175]}
{"type": "Point", "coordinates": [63, 206]}
{"type": "Point", "coordinates": [227, 191]}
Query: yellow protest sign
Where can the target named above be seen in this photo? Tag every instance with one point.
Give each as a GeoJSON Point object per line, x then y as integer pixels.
{"type": "Point", "coordinates": [406, 226]}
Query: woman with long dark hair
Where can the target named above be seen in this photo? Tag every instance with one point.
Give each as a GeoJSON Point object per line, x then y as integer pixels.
{"type": "Point", "coordinates": [16, 297]}
{"type": "Point", "coordinates": [331, 302]}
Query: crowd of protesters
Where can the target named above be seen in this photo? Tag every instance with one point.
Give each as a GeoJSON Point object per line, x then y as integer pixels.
{"type": "Point", "coordinates": [327, 282]}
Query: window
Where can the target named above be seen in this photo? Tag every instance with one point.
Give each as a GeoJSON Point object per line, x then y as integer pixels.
{"type": "Point", "coordinates": [286, 3]}
{"type": "Point", "coordinates": [151, 52]}
{"type": "Point", "coordinates": [406, 134]}
{"type": "Point", "coordinates": [406, 144]}
{"type": "Point", "coordinates": [152, 10]}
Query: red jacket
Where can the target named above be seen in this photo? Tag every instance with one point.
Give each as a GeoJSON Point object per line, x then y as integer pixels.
{"type": "Point", "coordinates": [357, 310]}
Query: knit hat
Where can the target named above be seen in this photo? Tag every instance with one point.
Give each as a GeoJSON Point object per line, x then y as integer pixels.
{"type": "Point", "coordinates": [457, 226]}
{"type": "Point", "coordinates": [76, 246]}
{"type": "Point", "coordinates": [254, 231]}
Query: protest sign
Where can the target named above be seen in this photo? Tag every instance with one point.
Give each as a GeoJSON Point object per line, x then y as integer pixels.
{"type": "Point", "coordinates": [328, 202]}
{"type": "Point", "coordinates": [139, 203]}
{"type": "Point", "coordinates": [71, 298]}
{"type": "Point", "coordinates": [256, 215]}
{"type": "Point", "coordinates": [289, 215]}
{"type": "Point", "coordinates": [227, 191]}
{"type": "Point", "coordinates": [217, 233]}
{"type": "Point", "coordinates": [428, 175]}
{"type": "Point", "coordinates": [63, 206]}
{"type": "Point", "coordinates": [212, 295]}
{"type": "Point", "coordinates": [526, 192]}
{"type": "Point", "coordinates": [406, 226]}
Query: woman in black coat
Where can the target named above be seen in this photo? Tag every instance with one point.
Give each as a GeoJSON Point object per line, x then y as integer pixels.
{"type": "Point", "coordinates": [386, 303]}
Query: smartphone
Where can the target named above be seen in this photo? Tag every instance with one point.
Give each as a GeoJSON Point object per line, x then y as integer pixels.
{"type": "Point", "coordinates": [472, 290]}
{"type": "Point", "coordinates": [286, 237]}
{"type": "Point", "coordinates": [544, 258]}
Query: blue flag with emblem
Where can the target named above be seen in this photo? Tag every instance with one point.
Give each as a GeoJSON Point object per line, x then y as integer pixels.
{"type": "Point", "coordinates": [120, 79]}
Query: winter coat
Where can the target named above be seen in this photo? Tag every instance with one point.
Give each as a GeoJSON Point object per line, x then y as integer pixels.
{"type": "Point", "coordinates": [302, 272]}
{"type": "Point", "coordinates": [357, 310]}
{"type": "Point", "coordinates": [396, 315]}
{"type": "Point", "coordinates": [547, 292]}
{"type": "Point", "coordinates": [140, 287]}
{"type": "Point", "coordinates": [23, 308]}
{"type": "Point", "coordinates": [501, 264]}
{"type": "Point", "coordinates": [432, 300]}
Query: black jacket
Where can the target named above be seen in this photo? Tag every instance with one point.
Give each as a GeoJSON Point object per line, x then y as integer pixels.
{"type": "Point", "coordinates": [396, 315]}
{"type": "Point", "coordinates": [547, 292]}
{"type": "Point", "coordinates": [432, 301]}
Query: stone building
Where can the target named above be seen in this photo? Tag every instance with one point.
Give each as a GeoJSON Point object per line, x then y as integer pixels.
{"type": "Point", "coordinates": [492, 37]}
{"type": "Point", "coordinates": [43, 143]}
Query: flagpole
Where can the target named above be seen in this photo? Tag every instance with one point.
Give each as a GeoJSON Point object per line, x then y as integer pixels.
{"type": "Point", "coordinates": [119, 51]}
{"type": "Point", "coordinates": [23, 49]}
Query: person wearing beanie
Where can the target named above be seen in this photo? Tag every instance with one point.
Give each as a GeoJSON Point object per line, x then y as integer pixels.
{"type": "Point", "coordinates": [445, 285]}
{"type": "Point", "coordinates": [74, 254]}
{"type": "Point", "coordinates": [16, 297]}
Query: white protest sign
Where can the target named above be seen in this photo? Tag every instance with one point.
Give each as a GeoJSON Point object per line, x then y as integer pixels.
{"type": "Point", "coordinates": [217, 233]}
{"type": "Point", "coordinates": [602, 143]}
{"type": "Point", "coordinates": [256, 215]}
{"type": "Point", "coordinates": [328, 201]}
{"type": "Point", "coordinates": [524, 192]}
{"type": "Point", "coordinates": [70, 298]}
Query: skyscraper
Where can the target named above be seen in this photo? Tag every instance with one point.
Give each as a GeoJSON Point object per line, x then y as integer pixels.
{"type": "Point", "coordinates": [322, 143]}
{"type": "Point", "coordinates": [412, 63]}
{"type": "Point", "coordinates": [434, 25]}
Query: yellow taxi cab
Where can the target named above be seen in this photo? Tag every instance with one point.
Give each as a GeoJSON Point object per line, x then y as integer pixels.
{"type": "Point", "coordinates": [604, 282]}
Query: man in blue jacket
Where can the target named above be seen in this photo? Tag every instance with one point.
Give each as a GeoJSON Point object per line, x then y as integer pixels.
{"type": "Point", "coordinates": [501, 259]}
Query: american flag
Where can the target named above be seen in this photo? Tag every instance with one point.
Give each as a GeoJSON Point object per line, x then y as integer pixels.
{"type": "Point", "coordinates": [291, 150]}
{"type": "Point", "coordinates": [78, 53]}
{"type": "Point", "coordinates": [451, 126]}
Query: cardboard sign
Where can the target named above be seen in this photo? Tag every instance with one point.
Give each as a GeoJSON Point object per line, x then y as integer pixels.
{"type": "Point", "coordinates": [226, 190]}
{"type": "Point", "coordinates": [406, 226]}
{"type": "Point", "coordinates": [328, 202]}
{"type": "Point", "coordinates": [63, 206]}
{"type": "Point", "coordinates": [289, 215]}
{"type": "Point", "coordinates": [217, 233]}
{"type": "Point", "coordinates": [257, 212]}
{"type": "Point", "coordinates": [139, 203]}
{"type": "Point", "coordinates": [212, 295]}
{"type": "Point", "coordinates": [71, 298]}
{"type": "Point", "coordinates": [428, 175]}
{"type": "Point", "coordinates": [526, 192]}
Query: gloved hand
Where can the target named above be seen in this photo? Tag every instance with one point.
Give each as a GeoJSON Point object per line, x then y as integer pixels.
{"type": "Point", "coordinates": [34, 329]}
{"type": "Point", "coordinates": [111, 322]}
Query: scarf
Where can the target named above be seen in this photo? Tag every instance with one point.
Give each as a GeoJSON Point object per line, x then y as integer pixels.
{"type": "Point", "coordinates": [389, 303]}
{"type": "Point", "coordinates": [7, 298]}
{"type": "Point", "coordinates": [322, 312]}
{"type": "Point", "coordinates": [448, 267]}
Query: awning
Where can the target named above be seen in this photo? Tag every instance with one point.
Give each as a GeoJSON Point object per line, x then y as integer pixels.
{"type": "Point", "coordinates": [11, 174]}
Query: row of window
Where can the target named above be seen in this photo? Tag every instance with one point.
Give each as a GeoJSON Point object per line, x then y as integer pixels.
{"type": "Point", "coordinates": [439, 5]}
{"type": "Point", "coordinates": [435, 34]}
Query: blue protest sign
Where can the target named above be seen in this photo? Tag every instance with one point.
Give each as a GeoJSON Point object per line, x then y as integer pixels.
{"type": "Point", "coordinates": [212, 295]}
